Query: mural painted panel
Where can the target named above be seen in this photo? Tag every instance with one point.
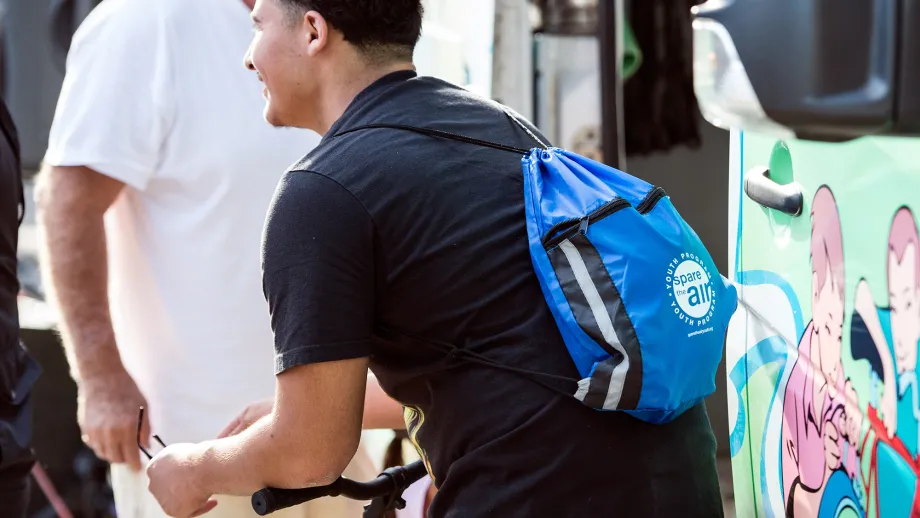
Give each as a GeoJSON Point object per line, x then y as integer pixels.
{"type": "Point", "coordinates": [822, 358]}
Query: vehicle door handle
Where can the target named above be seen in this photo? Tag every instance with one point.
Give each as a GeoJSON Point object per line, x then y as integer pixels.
{"type": "Point", "coordinates": [762, 189]}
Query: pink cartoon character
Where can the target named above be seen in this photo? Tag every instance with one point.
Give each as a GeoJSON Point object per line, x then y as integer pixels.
{"type": "Point", "coordinates": [887, 337]}
{"type": "Point", "coordinates": [821, 421]}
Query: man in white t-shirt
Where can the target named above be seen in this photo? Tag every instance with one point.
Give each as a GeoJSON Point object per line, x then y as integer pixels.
{"type": "Point", "coordinates": [159, 172]}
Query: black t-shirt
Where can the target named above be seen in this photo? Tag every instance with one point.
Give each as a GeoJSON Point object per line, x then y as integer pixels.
{"type": "Point", "coordinates": [381, 237]}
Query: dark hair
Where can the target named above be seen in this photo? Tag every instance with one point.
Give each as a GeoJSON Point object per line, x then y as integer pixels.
{"type": "Point", "coordinates": [382, 29]}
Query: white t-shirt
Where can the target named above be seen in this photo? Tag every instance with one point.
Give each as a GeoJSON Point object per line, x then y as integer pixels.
{"type": "Point", "coordinates": [156, 96]}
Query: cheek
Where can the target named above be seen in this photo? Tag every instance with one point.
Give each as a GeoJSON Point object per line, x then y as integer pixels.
{"type": "Point", "coordinates": [261, 55]}
{"type": "Point", "coordinates": [275, 69]}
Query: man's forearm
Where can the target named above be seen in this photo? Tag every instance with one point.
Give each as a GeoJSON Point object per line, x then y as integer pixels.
{"type": "Point", "coordinates": [75, 263]}
{"type": "Point", "coordinates": [308, 440]}
{"type": "Point", "coordinates": [261, 457]}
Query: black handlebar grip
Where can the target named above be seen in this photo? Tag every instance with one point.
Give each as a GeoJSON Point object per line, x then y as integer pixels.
{"type": "Point", "coordinates": [269, 500]}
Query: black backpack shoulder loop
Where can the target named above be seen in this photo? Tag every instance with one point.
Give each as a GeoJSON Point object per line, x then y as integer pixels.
{"type": "Point", "coordinates": [431, 132]}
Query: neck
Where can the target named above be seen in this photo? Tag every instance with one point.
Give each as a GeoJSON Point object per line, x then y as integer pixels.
{"type": "Point", "coordinates": [343, 85]}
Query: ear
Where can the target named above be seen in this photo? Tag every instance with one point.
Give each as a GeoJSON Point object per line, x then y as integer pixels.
{"type": "Point", "coordinates": [317, 32]}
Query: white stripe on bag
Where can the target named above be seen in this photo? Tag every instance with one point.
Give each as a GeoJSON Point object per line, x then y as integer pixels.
{"type": "Point", "coordinates": [599, 310]}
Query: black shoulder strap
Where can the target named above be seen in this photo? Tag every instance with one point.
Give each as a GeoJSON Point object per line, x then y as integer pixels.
{"type": "Point", "coordinates": [454, 136]}
{"type": "Point", "coordinates": [452, 352]}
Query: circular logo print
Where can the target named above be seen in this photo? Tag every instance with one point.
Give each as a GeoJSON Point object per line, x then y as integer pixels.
{"type": "Point", "coordinates": [690, 287]}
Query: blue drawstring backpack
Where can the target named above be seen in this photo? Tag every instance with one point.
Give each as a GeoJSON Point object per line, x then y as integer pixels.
{"type": "Point", "coordinates": [637, 299]}
{"type": "Point", "coordinates": [640, 304]}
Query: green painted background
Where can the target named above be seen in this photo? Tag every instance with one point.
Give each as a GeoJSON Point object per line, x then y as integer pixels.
{"type": "Point", "coordinates": [870, 178]}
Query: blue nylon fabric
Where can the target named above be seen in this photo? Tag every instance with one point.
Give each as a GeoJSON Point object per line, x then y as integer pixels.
{"type": "Point", "coordinates": [680, 327]}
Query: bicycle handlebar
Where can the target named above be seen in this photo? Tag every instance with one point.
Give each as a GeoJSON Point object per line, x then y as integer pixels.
{"type": "Point", "coordinates": [392, 481]}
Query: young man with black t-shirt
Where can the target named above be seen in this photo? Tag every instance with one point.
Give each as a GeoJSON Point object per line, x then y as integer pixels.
{"type": "Point", "coordinates": [17, 370]}
{"type": "Point", "coordinates": [382, 244]}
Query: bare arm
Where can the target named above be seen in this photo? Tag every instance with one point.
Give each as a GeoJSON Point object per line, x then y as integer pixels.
{"type": "Point", "coordinates": [71, 204]}
{"type": "Point", "coordinates": [308, 440]}
{"type": "Point", "coordinates": [380, 412]}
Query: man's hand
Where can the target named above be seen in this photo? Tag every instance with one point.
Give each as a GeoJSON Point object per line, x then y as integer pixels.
{"type": "Point", "coordinates": [247, 418]}
{"type": "Point", "coordinates": [72, 202]}
{"type": "Point", "coordinates": [173, 481]}
{"type": "Point", "coordinates": [107, 412]}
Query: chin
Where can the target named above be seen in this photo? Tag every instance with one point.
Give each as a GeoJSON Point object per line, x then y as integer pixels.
{"type": "Point", "coordinates": [272, 117]}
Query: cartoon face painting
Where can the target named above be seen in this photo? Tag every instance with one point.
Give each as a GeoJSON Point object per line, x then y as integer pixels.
{"type": "Point", "coordinates": [828, 287]}
{"type": "Point", "coordinates": [823, 354]}
{"type": "Point", "coordinates": [828, 311]}
{"type": "Point", "coordinates": [904, 290]}
{"type": "Point", "coordinates": [885, 339]}
{"type": "Point", "coordinates": [820, 421]}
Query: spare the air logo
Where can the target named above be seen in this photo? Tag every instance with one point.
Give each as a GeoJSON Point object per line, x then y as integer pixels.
{"type": "Point", "coordinates": [690, 289]}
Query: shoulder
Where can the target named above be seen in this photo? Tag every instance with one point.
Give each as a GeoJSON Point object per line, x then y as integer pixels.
{"type": "Point", "coordinates": [461, 109]}
{"type": "Point", "coordinates": [121, 33]}
{"type": "Point", "coordinates": [350, 161]}
{"type": "Point", "coordinates": [300, 181]}
{"type": "Point", "coordinates": [303, 195]}
{"type": "Point", "coordinates": [122, 17]}
{"type": "Point", "coordinates": [312, 215]}
{"type": "Point", "coordinates": [135, 27]}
